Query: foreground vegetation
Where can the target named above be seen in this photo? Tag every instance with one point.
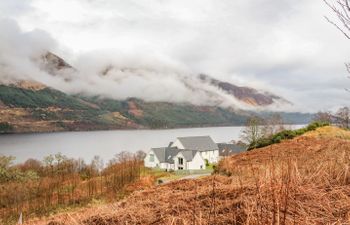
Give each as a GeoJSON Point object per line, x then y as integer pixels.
{"type": "Point", "coordinates": [38, 188]}
{"type": "Point", "coordinates": [304, 180]}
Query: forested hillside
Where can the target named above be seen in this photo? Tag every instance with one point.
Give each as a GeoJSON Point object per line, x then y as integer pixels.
{"type": "Point", "coordinates": [45, 110]}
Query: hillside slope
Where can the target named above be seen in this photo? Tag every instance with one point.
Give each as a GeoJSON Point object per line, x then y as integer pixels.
{"type": "Point", "coordinates": [47, 110]}
{"type": "Point", "coordinates": [247, 95]}
{"type": "Point", "coordinates": [32, 107]}
{"type": "Point", "coordinates": [301, 181]}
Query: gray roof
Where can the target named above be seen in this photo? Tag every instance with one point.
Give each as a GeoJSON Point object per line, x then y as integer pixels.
{"type": "Point", "coordinates": [200, 143]}
{"type": "Point", "coordinates": [166, 154]}
{"type": "Point", "coordinates": [229, 149]}
{"type": "Point", "coordinates": [188, 154]}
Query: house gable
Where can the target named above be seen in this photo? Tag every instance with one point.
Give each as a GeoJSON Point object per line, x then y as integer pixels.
{"type": "Point", "coordinates": [180, 162]}
{"type": "Point", "coordinates": [197, 162]}
{"type": "Point", "coordinates": [177, 144]}
{"type": "Point", "coordinates": [151, 159]}
{"type": "Point", "coordinates": [189, 160]}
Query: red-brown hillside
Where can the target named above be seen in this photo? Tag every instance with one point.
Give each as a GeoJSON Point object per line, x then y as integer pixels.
{"type": "Point", "coordinates": [300, 181]}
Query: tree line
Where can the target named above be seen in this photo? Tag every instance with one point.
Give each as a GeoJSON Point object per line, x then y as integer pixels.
{"type": "Point", "coordinates": [260, 132]}
{"type": "Point", "coordinates": [37, 188]}
{"type": "Point", "coordinates": [340, 118]}
{"type": "Point", "coordinates": [258, 128]}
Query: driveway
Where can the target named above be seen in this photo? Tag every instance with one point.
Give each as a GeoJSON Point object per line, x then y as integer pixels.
{"type": "Point", "coordinates": [187, 177]}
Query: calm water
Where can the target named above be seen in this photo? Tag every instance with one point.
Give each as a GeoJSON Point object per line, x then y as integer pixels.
{"type": "Point", "coordinates": [103, 143]}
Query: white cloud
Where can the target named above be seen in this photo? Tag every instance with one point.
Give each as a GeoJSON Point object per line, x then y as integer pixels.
{"type": "Point", "coordinates": [280, 45]}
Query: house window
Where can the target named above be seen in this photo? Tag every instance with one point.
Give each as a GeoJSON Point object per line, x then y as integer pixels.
{"type": "Point", "coordinates": [181, 161]}
{"type": "Point", "coordinates": [181, 168]}
{"type": "Point", "coordinates": [151, 158]}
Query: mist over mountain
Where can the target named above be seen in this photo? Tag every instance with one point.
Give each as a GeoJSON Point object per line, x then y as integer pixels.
{"type": "Point", "coordinates": [41, 90]}
{"type": "Point", "coordinates": [146, 81]}
{"type": "Point", "coordinates": [119, 75]}
{"type": "Point", "coordinates": [52, 94]}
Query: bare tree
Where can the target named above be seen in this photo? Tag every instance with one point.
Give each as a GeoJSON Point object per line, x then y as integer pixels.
{"type": "Point", "coordinates": [343, 117]}
{"type": "Point", "coordinates": [273, 124]}
{"type": "Point", "coordinates": [323, 117]}
{"type": "Point", "coordinates": [341, 8]}
{"type": "Point", "coordinates": [97, 163]}
{"type": "Point", "coordinates": [140, 155]}
{"type": "Point", "coordinates": [253, 131]}
{"type": "Point", "coordinates": [123, 156]}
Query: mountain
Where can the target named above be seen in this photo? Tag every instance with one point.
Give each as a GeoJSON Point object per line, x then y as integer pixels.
{"type": "Point", "coordinates": [55, 66]}
{"type": "Point", "coordinates": [211, 87]}
{"type": "Point", "coordinates": [245, 94]}
{"type": "Point", "coordinates": [46, 110]}
{"type": "Point", "coordinates": [29, 106]}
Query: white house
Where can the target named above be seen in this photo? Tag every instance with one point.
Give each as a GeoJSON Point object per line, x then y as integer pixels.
{"type": "Point", "coordinates": [208, 149]}
{"type": "Point", "coordinates": [186, 153]}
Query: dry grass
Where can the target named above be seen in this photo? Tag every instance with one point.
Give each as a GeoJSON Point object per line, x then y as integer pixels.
{"type": "Point", "coordinates": [329, 132]}
{"type": "Point", "coordinates": [301, 181]}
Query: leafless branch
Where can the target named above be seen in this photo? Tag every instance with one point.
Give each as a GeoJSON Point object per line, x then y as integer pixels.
{"type": "Point", "coordinates": [342, 11]}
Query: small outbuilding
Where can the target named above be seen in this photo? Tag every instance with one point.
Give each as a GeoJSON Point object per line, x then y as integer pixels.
{"type": "Point", "coordinates": [230, 149]}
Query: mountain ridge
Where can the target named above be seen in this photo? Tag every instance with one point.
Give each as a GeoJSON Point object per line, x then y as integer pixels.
{"type": "Point", "coordinates": [30, 106]}
{"type": "Point", "coordinates": [249, 96]}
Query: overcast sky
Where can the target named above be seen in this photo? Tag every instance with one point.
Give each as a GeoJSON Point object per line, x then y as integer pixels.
{"type": "Point", "coordinates": [284, 46]}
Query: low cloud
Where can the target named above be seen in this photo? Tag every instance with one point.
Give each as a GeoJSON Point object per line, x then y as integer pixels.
{"type": "Point", "coordinates": [18, 49]}
{"type": "Point", "coordinates": [284, 47]}
{"type": "Point", "coordinates": [111, 74]}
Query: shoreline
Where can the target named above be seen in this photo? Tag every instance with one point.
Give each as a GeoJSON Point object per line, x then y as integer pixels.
{"type": "Point", "coordinates": [131, 129]}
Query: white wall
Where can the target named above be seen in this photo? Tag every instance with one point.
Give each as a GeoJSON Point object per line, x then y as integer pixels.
{"type": "Point", "coordinates": [197, 162]}
{"type": "Point", "coordinates": [149, 164]}
{"type": "Point", "coordinates": [157, 163]}
{"type": "Point", "coordinates": [211, 156]}
{"type": "Point", "coordinates": [176, 161]}
{"type": "Point", "coordinates": [164, 166]}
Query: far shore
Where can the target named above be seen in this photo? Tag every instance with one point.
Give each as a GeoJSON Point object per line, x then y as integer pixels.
{"type": "Point", "coordinates": [130, 129]}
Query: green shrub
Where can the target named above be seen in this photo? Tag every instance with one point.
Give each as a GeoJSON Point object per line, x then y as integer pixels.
{"type": "Point", "coordinates": [315, 125]}
{"type": "Point", "coordinates": [206, 162]}
{"type": "Point", "coordinates": [286, 134]}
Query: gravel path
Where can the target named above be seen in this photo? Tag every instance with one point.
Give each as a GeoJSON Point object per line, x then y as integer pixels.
{"type": "Point", "coordinates": [188, 177]}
